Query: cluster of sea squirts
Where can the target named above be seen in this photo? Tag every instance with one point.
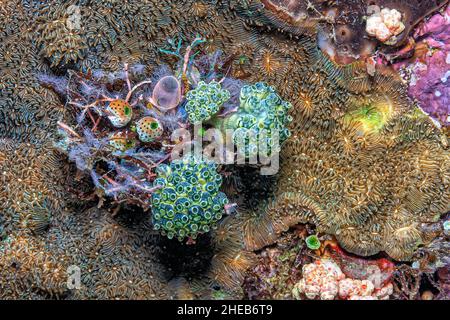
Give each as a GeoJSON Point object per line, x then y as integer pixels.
{"type": "Point", "coordinates": [183, 194]}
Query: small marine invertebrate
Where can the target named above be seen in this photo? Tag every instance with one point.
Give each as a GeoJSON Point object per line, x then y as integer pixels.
{"type": "Point", "coordinates": [205, 101]}
{"type": "Point", "coordinates": [426, 66]}
{"type": "Point", "coordinates": [312, 242]}
{"type": "Point", "coordinates": [149, 129]}
{"type": "Point", "coordinates": [120, 113]}
{"type": "Point", "coordinates": [385, 25]}
{"type": "Point", "coordinates": [187, 200]}
{"type": "Point", "coordinates": [262, 117]}
{"type": "Point", "coordinates": [167, 93]}
{"type": "Point", "coordinates": [121, 140]}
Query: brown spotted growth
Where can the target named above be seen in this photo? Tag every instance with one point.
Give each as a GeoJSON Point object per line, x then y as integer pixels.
{"type": "Point", "coordinates": [119, 113]}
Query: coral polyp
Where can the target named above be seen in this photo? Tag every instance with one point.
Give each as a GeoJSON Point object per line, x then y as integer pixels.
{"type": "Point", "coordinates": [371, 118]}
{"type": "Point", "coordinates": [187, 200]}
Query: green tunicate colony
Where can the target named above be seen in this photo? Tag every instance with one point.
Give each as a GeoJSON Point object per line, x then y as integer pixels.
{"type": "Point", "coordinates": [313, 242]}
{"type": "Point", "coordinates": [261, 119]}
{"type": "Point", "coordinates": [205, 101]}
{"type": "Point", "coordinates": [188, 201]}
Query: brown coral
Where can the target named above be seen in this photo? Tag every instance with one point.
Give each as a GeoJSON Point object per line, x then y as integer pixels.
{"type": "Point", "coordinates": [31, 188]}
{"type": "Point", "coordinates": [372, 185]}
{"type": "Point", "coordinates": [29, 270]}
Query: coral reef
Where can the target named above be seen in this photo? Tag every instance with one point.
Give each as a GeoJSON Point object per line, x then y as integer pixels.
{"type": "Point", "coordinates": [334, 139]}
{"type": "Point", "coordinates": [333, 274]}
{"type": "Point", "coordinates": [342, 24]}
{"type": "Point", "coordinates": [120, 113]}
{"type": "Point", "coordinates": [113, 262]}
{"type": "Point", "coordinates": [362, 163]}
{"type": "Point", "coordinates": [118, 161]}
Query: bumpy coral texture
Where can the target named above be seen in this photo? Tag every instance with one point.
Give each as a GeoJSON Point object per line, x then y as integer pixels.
{"type": "Point", "coordinates": [324, 280]}
{"type": "Point", "coordinates": [188, 202]}
{"type": "Point", "coordinates": [372, 189]}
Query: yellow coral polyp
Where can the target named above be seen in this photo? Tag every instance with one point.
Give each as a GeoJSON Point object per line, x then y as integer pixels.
{"type": "Point", "coordinates": [372, 117]}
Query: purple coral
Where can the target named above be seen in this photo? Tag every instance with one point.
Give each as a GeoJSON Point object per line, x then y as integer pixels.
{"type": "Point", "coordinates": [430, 72]}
